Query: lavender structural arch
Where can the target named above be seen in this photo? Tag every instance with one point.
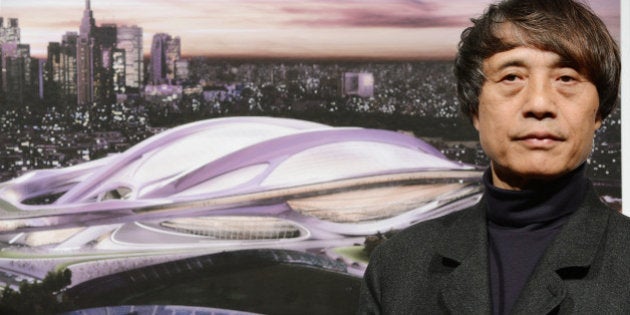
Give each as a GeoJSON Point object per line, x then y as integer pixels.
{"type": "Point", "coordinates": [330, 182]}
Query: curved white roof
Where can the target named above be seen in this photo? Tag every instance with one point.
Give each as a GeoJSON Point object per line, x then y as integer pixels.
{"type": "Point", "coordinates": [235, 165]}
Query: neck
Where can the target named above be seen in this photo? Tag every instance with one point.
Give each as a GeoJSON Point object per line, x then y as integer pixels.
{"type": "Point", "coordinates": [507, 180]}
{"type": "Point", "coordinates": [539, 204]}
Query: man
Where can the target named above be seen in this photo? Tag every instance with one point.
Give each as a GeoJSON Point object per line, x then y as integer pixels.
{"type": "Point", "coordinates": [536, 78]}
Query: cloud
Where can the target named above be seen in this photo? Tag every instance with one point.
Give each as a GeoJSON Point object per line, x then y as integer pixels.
{"type": "Point", "coordinates": [392, 14]}
{"type": "Point", "coordinates": [369, 18]}
{"type": "Point", "coordinates": [63, 24]}
{"type": "Point", "coordinates": [375, 18]}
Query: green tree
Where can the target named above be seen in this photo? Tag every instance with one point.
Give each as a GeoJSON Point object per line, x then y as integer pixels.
{"type": "Point", "coordinates": [44, 297]}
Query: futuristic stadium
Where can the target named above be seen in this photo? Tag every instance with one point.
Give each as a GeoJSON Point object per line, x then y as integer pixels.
{"type": "Point", "coordinates": [227, 184]}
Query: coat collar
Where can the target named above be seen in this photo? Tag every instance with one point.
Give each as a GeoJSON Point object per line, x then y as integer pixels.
{"type": "Point", "coordinates": [569, 256]}
{"type": "Point", "coordinates": [465, 246]}
{"type": "Point", "coordinates": [466, 290]}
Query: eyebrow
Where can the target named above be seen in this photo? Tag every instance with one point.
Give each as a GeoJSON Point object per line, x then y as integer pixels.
{"type": "Point", "coordinates": [511, 63]}
{"type": "Point", "coordinates": [519, 62]}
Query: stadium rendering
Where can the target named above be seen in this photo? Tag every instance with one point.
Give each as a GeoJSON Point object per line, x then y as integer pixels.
{"type": "Point", "coordinates": [226, 184]}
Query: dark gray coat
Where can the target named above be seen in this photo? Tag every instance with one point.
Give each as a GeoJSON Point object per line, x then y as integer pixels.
{"type": "Point", "coordinates": [441, 266]}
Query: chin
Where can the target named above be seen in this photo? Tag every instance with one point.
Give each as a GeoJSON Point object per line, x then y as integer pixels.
{"type": "Point", "coordinates": [546, 174]}
{"type": "Point", "coordinates": [539, 172]}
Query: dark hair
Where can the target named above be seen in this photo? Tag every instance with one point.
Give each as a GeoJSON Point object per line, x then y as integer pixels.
{"type": "Point", "coordinates": [566, 27]}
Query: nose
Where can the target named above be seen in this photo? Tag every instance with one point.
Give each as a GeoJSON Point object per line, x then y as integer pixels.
{"type": "Point", "coordinates": [539, 102]}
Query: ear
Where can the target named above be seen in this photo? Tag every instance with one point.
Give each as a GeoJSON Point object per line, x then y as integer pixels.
{"type": "Point", "coordinates": [475, 120]}
{"type": "Point", "coordinates": [598, 121]}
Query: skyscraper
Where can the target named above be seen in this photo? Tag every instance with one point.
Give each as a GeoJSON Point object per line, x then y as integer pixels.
{"type": "Point", "coordinates": [129, 38]}
{"type": "Point", "coordinates": [85, 57]}
{"type": "Point", "coordinates": [16, 71]}
{"type": "Point", "coordinates": [52, 73]}
{"type": "Point", "coordinates": [173, 54]}
{"type": "Point", "coordinates": [182, 71]}
{"type": "Point", "coordinates": [104, 47]}
{"type": "Point", "coordinates": [165, 51]}
{"type": "Point", "coordinates": [95, 48]}
{"type": "Point", "coordinates": [119, 69]}
{"type": "Point", "coordinates": [9, 33]}
{"type": "Point", "coordinates": [9, 39]}
{"type": "Point", "coordinates": [61, 70]}
{"type": "Point", "coordinates": [69, 64]}
{"type": "Point", "coordinates": [16, 65]}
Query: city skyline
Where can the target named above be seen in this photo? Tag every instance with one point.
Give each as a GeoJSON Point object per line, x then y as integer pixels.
{"type": "Point", "coordinates": [404, 29]}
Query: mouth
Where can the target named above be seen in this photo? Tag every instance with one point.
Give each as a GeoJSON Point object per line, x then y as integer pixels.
{"type": "Point", "coordinates": [540, 139]}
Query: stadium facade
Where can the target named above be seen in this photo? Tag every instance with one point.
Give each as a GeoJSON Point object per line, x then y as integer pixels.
{"type": "Point", "coordinates": [244, 178]}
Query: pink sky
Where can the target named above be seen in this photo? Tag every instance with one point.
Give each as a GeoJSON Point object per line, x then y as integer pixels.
{"type": "Point", "coordinates": [282, 28]}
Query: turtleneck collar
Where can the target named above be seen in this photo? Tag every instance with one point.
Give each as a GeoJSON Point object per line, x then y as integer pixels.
{"type": "Point", "coordinates": [536, 207]}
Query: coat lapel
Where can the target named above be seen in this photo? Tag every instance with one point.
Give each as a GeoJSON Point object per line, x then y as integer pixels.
{"type": "Point", "coordinates": [466, 288]}
{"type": "Point", "coordinates": [569, 256]}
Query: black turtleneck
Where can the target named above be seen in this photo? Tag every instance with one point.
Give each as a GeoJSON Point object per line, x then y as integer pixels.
{"type": "Point", "coordinates": [521, 224]}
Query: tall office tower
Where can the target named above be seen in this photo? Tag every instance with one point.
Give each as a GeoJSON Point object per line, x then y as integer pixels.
{"type": "Point", "coordinates": [158, 58]}
{"type": "Point", "coordinates": [104, 46]}
{"type": "Point", "coordinates": [9, 39]}
{"type": "Point", "coordinates": [60, 73]}
{"type": "Point", "coordinates": [52, 74]}
{"type": "Point", "coordinates": [165, 51]}
{"type": "Point", "coordinates": [182, 72]}
{"type": "Point", "coordinates": [129, 38]}
{"type": "Point", "coordinates": [85, 57]}
{"type": "Point", "coordinates": [173, 54]}
{"type": "Point", "coordinates": [41, 76]}
{"type": "Point", "coordinates": [9, 33]}
{"type": "Point", "coordinates": [118, 67]}
{"type": "Point", "coordinates": [17, 76]}
{"type": "Point", "coordinates": [8, 51]}
{"type": "Point", "coordinates": [69, 65]}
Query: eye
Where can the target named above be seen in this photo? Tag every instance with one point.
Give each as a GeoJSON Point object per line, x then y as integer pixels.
{"type": "Point", "coordinates": [567, 78]}
{"type": "Point", "coordinates": [510, 78]}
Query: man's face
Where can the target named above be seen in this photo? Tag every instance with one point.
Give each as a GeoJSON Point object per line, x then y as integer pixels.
{"type": "Point", "coordinates": [536, 118]}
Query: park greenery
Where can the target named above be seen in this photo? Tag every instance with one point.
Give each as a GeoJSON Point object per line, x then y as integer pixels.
{"type": "Point", "coordinates": [41, 297]}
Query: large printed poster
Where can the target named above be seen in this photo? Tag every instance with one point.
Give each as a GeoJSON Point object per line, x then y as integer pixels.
{"type": "Point", "coordinates": [230, 156]}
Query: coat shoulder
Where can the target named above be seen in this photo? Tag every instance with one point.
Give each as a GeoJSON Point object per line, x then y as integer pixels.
{"type": "Point", "coordinates": [423, 234]}
{"type": "Point", "coordinates": [619, 230]}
